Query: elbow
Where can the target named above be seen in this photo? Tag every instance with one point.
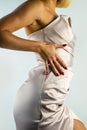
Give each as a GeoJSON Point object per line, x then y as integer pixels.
{"type": "Point", "coordinates": [3, 34]}
{"type": "Point", "coordinates": [1, 38]}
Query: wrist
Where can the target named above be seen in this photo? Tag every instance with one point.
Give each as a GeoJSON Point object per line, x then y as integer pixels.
{"type": "Point", "coordinates": [41, 46]}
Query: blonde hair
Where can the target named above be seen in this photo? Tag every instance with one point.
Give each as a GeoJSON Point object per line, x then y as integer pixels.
{"type": "Point", "coordinates": [63, 3]}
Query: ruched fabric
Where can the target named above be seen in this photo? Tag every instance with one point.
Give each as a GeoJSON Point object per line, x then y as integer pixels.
{"type": "Point", "coordinates": [40, 101]}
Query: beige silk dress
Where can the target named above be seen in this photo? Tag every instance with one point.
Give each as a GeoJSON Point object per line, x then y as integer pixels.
{"type": "Point", "coordinates": [40, 101]}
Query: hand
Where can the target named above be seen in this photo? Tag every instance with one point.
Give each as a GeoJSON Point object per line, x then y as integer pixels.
{"type": "Point", "coordinates": [52, 59]}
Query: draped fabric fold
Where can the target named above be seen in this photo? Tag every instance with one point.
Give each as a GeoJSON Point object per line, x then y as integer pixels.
{"type": "Point", "coordinates": [40, 101]}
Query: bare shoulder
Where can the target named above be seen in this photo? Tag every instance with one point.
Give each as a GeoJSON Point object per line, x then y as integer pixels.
{"type": "Point", "coordinates": [44, 17]}
{"type": "Point", "coordinates": [22, 16]}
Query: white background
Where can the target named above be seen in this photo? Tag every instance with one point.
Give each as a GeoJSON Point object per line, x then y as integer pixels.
{"type": "Point", "coordinates": [15, 65]}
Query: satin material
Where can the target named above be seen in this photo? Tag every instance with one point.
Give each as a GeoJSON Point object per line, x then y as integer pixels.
{"type": "Point", "coordinates": [40, 101]}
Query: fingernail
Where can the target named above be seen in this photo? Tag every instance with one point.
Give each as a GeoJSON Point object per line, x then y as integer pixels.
{"type": "Point", "coordinates": [57, 74]}
{"type": "Point", "coordinates": [64, 45]}
{"type": "Point", "coordinates": [46, 73]}
{"type": "Point", "coordinates": [66, 68]}
{"type": "Point", "coordinates": [62, 73]}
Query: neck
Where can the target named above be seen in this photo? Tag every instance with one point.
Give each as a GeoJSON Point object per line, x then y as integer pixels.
{"type": "Point", "coordinates": [50, 3]}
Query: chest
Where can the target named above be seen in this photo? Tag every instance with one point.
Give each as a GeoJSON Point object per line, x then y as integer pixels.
{"type": "Point", "coordinates": [39, 24]}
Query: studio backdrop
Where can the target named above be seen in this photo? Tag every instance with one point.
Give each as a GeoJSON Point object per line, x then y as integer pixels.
{"type": "Point", "coordinates": [15, 65]}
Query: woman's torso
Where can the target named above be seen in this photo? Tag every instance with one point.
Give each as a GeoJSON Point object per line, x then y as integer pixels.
{"type": "Point", "coordinates": [58, 31]}
{"type": "Point", "coordinates": [46, 15]}
{"type": "Point", "coordinates": [51, 27]}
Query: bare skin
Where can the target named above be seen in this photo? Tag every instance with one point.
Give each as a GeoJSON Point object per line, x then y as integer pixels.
{"type": "Point", "coordinates": [26, 15]}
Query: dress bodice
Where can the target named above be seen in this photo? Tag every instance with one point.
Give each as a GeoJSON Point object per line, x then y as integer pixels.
{"type": "Point", "coordinates": [40, 101]}
{"type": "Point", "coordinates": [58, 31]}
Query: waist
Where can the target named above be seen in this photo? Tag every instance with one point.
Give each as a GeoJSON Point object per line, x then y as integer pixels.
{"type": "Point", "coordinates": [65, 55]}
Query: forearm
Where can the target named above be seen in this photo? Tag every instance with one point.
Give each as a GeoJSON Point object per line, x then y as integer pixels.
{"type": "Point", "coordinates": [10, 41]}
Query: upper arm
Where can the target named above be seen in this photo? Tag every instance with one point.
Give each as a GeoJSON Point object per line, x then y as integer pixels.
{"type": "Point", "coordinates": [22, 16]}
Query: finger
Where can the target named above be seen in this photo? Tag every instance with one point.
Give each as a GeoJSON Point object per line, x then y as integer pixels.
{"type": "Point", "coordinates": [44, 58]}
{"type": "Point", "coordinates": [60, 45]}
{"type": "Point", "coordinates": [53, 68]}
{"type": "Point", "coordinates": [47, 67]}
{"type": "Point", "coordinates": [58, 66]}
{"type": "Point", "coordinates": [53, 71]}
{"type": "Point", "coordinates": [58, 58]}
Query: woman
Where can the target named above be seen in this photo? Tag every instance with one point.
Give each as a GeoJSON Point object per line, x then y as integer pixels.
{"type": "Point", "coordinates": [39, 103]}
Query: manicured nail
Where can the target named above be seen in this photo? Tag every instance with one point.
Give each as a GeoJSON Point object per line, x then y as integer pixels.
{"type": "Point", "coordinates": [57, 74]}
{"type": "Point", "coordinates": [46, 73]}
{"type": "Point", "coordinates": [64, 45]}
{"type": "Point", "coordinates": [66, 68]}
{"type": "Point", "coordinates": [62, 73]}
